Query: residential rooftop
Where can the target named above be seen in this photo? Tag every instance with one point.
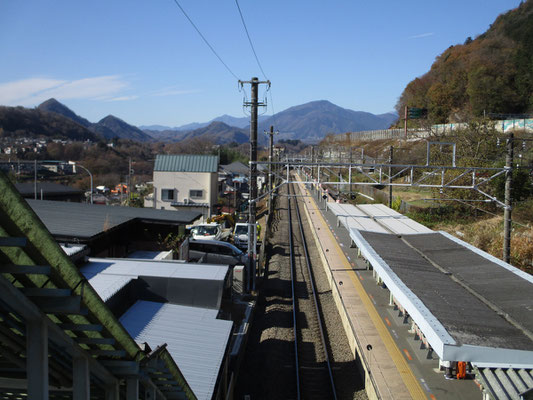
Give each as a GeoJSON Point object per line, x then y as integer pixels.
{"type": "Point", "coordinates": [84, 221]}
{"type": "Point", "coordinates": [186, 163]}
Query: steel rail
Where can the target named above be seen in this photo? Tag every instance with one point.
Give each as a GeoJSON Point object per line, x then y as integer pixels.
{"type": "Point", "coordinates": [315, 298]}
{"type": "Point", "coordinates": [294, 302]}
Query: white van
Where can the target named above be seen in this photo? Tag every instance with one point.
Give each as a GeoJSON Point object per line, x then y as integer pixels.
{"type": "Point", "coordinates": [206, 232]}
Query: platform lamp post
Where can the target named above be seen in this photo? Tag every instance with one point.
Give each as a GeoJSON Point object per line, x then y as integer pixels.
{"type": "Point", "coordinates": [75, 164]}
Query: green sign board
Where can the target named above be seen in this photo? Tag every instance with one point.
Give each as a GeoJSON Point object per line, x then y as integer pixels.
{"type": "Point", "coordinates": [415, 113]}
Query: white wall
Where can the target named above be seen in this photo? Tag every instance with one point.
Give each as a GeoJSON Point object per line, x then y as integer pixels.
{"type": "Point", "coordinates": [182, 183]}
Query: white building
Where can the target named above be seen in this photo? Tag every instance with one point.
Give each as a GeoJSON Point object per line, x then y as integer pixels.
{"type": "Point", "coordinates": [185, 182]}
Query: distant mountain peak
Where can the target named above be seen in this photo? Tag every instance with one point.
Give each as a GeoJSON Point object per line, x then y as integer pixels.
{"type": "Point", "coordinates": [111, 126]}
{"type": "Point", "coordinates": [52, 105]}
{"type": "Point", "coordinates": [49, 102]}
{"type": "Point", "coordinates": [111, 118]}
{"type": "Point", "coordinates": [218, 124]}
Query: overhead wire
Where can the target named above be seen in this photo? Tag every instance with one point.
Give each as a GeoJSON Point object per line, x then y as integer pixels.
{"type": "Point", "coordinates": [256, 58]}
{"type": "Point", "coordinates": [249, 39]}
{"type": "Point", "coordinates": [272, 106]}
{"type": "Point", "coordinates": [205, 40]}
{"type": "Point", "coordinates": [481, 209]}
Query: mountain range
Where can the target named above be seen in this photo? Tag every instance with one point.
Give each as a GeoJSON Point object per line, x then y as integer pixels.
{"type": "Point", "coordinates": [227, 119]}
{"type": "Point", "coordinates": [108, 127]}
{"type": "Point", "coordinates": [308, 122]}
{"type": "Point", "coordinates": [311, 122]}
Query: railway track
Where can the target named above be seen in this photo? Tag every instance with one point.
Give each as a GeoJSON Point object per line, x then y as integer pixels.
{"type": "Point", "coordinates": [314, 375]}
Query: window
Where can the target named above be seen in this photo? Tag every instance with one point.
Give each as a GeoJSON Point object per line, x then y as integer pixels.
{"type": "Point", "coordinates": [167, 194]}
{"type": "Point", "coordinates": [225, 251]}
{"type": "Point", "coordinates": [196, 194]}
{"type": "Point", "coordinates": [196, 246]}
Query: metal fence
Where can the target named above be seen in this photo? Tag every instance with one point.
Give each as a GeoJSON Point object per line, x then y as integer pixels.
{"type": "Point", "coordinates": [381, 134]}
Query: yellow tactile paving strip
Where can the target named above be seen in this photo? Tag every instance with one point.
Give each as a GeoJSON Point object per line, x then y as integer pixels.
{"type": "Point", "coordinates": [395, 378]}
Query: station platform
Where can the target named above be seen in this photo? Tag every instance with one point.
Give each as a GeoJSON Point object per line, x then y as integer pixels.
{"type": "Point", "coordinates": [398, 359]}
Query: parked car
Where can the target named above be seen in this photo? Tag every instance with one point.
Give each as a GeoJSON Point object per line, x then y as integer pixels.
{"type": "Point", "coordinates": [216, 252]}
{"type": "Point", "coordinates": [206, 232]}
{"type": "Point", "coordinates": [240, 235]}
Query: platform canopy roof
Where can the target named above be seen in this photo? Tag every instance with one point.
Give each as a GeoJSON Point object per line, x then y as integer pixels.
{"type": "Point", "coordinates": [470, 305]}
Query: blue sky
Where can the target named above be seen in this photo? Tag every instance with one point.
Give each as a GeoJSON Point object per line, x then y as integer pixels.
{"type": "Point", "coordinates": [143, 62]}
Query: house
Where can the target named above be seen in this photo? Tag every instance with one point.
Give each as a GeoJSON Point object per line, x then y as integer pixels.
{"type": "Point", "coordinates": [236, 169]}
{"type": "Point", "coordinates": [185, 182]}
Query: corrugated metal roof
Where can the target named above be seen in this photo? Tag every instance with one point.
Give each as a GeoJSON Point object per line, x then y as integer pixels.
{"type": "Point", "coordinates": [107, 285]}
{"type": "Point", "coordinates": [19, 221]}
{"type": "Point", "coordinates": [505, 383]}
{"type": "Point", "coordinates": [189, 284]}
{"type": "Point", "coordinates": [194, 337]}
{"type": "Point", "coordinates": [80, 220]}
{"type": "Point", "coordinates": [379, 210]}
{"type": "Point", "coordinates": [162, 269]}
{"type": "Point", "coordinates": [151, 255]}
{"type": "Point", "coordinates": [71, 249]}
{"type": "Point", "coordinates": [237, 168]}
{"type": "Point", "coordinates": [353, 218]}
{"type": "Point", "coordinates": [395, 222]}
{"type": "Point", "coordinates": [186, 163]}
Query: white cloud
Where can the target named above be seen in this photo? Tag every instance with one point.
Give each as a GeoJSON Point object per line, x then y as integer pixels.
{"type": "Point", "coordinates": [123, 98]}
{"type": "Point", "coordinates": [172, 91]}
{"type": "Point", "coordinates": [14, 93]}
{"type": "Point", "coordinates": [422, 35]}
{"type": "Point", "coordinates": [32, 91]}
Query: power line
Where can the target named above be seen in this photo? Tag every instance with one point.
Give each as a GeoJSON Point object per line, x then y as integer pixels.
{"type": "Point", "coordinates": [249, 39]}
{"type": "Point", "coordinates": [205, 40]}
{"type": "Point", "coordinates": [272, 105]}
{"type": "Point", "coordinates": [479, 209]}
{"type": "Point", "coordinates": [256, 58]}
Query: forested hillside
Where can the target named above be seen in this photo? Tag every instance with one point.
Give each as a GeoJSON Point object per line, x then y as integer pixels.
{"type": "Point", "coordinates": [26, 122]}
{"type": "Point", "coordinates": [490, 74]}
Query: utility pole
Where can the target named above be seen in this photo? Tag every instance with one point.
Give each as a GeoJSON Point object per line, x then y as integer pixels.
{"type": "Point", "coordinates": [129, 181]}
{"type": "Point", "coordinates": [507, 221]}
{"type": "Point", "coordinates": [270, 174]}
{"type": "Point", "coordinates": [391, 150]}
{"type": "Point", "coordinates": [350, 170]}
{"type": "Point", "coordinates": [35, 179]}
{"type": "Point", "coordinates": [312, 162]}
{"type": "Point", "coordinates": [252, 236]}
{"type": "Point", "coordinates": [405, 123]}
{"type": "Point", "coordinates": [339, 172]}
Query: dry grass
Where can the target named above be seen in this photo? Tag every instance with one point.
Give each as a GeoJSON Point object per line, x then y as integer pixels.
{"type": "Point", "coordinates": [409, 195]}
{"type": "Point", "coordinates": [488, 236]}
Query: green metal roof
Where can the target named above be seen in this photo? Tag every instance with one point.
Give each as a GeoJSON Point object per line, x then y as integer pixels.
{"type": "Point", "coordinates": [186, 163]}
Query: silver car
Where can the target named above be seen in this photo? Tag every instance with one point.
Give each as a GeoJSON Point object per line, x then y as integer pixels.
{"type": "Point", "coordinates": [217, 252]}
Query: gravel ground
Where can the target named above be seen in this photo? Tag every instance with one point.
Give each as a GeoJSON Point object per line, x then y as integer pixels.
{"type": "Point", "coordinates": [268, 368]}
